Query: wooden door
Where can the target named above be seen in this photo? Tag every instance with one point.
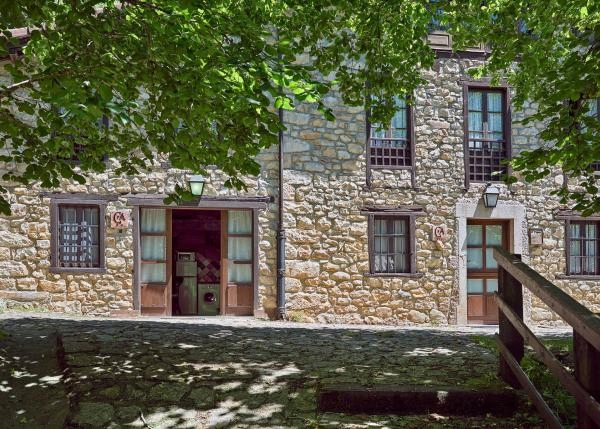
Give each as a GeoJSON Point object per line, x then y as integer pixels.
{"type": "Point", "coordinates": [482, 269]}
{"type": "Point", "coordinates": [155, 263]}
{"type": "Point", "coordinates": [237, 272]}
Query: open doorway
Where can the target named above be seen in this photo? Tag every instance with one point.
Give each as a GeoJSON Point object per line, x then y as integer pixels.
{"type": "Point", "coordinates": [196, 250]}
{"type": "Point", "coordinates": [197, 261]}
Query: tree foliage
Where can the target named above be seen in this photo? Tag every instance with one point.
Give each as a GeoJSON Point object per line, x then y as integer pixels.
{"type": "Point", "coordinates": [200, 81]}
{"type": "Point", "coordinates": [549, 52]}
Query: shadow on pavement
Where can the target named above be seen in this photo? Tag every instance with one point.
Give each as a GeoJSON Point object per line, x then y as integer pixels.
{"type": "Point", "coordinates": [121, 373]}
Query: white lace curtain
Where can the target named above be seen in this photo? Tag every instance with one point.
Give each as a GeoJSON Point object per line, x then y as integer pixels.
{"type": "Point", "coordinates": [153, 220]}
{"type": "Point", "coordinates": [493, 117]}
{"type": "Point", "coordinates": [583, 248]}
{"type": "Point", "coordinates": [154, 247]}
{"type": "Point", "coordinates": [79, 236]}
{"type": "Point", "coordinates": [390, 246]}
{"type": "Point", "coordinates": [239, 249]}
{"type": "Point", "coordinates": [398, 127]}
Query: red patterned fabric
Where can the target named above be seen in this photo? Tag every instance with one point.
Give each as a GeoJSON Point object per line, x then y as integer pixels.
{"type": "Point", "coordinates": [208, 271]}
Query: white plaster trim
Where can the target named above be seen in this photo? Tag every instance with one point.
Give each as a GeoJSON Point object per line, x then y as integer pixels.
{"type": "Point", "coordinates": [474, 209]}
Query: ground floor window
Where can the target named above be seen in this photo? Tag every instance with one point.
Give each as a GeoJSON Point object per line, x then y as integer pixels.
{"type": "Point", "coordinates": [391, 240]}
{"type": "Point", "coordinates": [77, 236]}
{"type": "Point", "coordinates": [390, 245]}
{"type": "Point", "coordinates": [582, 247]}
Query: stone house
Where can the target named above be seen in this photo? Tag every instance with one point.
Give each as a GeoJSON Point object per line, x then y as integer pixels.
{"type": "Point", "coordinates": [381, 226]}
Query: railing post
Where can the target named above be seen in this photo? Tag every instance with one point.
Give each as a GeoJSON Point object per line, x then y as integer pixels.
{"type": "Point", "coordinates": [587, 372]}
{"type": "Point", "coordinates": [511, 291]}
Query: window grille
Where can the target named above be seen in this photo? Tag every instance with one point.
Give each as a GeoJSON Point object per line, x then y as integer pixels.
{"type": "Point", "coordinates": [78, 236]}
{"type": "Point", "coordinates": [391, 146]}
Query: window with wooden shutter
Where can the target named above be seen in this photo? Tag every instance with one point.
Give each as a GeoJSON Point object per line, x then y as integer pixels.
{"type": "Point", "coordinates": [155, 261]}
{"type": "Point", "coordinates": [240, 264]}
{"type": "Point", "coordinates": [153, 243]}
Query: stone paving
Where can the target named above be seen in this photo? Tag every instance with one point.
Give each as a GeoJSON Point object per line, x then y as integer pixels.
{"type": "Point", "coordinates": [232, 372]}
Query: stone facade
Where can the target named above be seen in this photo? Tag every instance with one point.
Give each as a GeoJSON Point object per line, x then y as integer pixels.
{"type": "Point", "coordinates": [325, 191]}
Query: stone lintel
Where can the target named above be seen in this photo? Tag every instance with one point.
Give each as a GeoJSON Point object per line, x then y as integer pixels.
{"type": "Point", "coordinates": [24, 296]}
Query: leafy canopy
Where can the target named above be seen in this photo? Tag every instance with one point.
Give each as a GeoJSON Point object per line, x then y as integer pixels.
{"type": "Point", "coordinates": [200, 81]}
{"type": "Point", "coordinates": [549, 52]}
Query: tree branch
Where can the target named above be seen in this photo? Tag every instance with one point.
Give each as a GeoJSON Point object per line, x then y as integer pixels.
{"type": "Point", "coordinates": [4, 92]}
{"type": "Point", "coordinates": [147, 5]}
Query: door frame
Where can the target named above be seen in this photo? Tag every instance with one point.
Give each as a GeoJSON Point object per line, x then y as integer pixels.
{"type": "Point", "coordinates": [511, 211]}
{"type": "Point", "coordinates": [206, 203]}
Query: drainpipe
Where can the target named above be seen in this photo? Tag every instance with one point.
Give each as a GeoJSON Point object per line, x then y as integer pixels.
{"type": "Point", "coordinates": [281, 232]}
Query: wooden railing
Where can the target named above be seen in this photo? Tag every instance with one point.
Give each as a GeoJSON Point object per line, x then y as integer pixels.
{"type": "Point", "coordinates": [585, 384]}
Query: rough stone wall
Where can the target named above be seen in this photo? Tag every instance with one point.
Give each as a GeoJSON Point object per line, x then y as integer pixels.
{"type": "Point", "coordinates": [325, 187]}
{"type": "Point", "coordinates": [327, 234]}
{"type": "Point", "coordinates": [25, 275]}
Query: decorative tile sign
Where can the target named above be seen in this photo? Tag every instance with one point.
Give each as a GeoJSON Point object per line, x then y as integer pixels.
{"type": "Point", "coordinates": [536, 236]}
{"type": "Point", "coordinates": [119, 219]}
{"type": "Point", "coordinates": [440, 233]}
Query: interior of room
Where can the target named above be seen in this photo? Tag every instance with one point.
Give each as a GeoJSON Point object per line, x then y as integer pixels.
{"type": "Point", "coordinates": [196, 244]}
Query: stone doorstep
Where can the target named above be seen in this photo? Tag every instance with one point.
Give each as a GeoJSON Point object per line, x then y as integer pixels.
{"type": "Point", "coordinates": [125, 313]}
{"type": "Point", "coordinates": [416, 399]}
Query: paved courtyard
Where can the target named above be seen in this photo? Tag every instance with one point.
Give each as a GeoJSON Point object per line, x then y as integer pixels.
{"type": "Point", "coordinates": [61, 371]}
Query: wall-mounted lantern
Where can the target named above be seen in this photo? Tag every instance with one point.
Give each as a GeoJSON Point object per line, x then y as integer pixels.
{"type": "Point", "coordinates": [490, 196]}
{"type": "Point", "coordinates": [196, 185]}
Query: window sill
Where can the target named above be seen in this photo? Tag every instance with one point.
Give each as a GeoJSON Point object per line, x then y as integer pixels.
{"type": "Point", "coordinates": [577, 277]}
{"type": "Point", "coordinates": [395, 275]}
{"type": "Point", "coordinates": [476, 185]}
{"type": "Point", "coordinates": [73, 270]}
{"type": "Point", "coordinates": [391, 167]}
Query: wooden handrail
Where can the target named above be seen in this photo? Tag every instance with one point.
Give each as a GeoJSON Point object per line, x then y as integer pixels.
{"type": "Point", "coordinates": [573, 312]}
{"type": "Point", "coordinates": [585, 386]}
{"type": "Point", "coordinates": [591, 405]}
{"type": "Point", "coordinates": [549, 417]}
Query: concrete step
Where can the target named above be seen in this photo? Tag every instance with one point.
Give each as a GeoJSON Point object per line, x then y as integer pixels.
{"type": "Point", "coordinates": [417, 399]}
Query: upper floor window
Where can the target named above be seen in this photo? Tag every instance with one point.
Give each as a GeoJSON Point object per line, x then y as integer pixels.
{"type": "Point", "coordinates": [594, 112]}
{"type": "Point", "coordinates": [487, 139]}
{"type": "Point", "coordinates": [390, 146]}
{"type": "Point", "coordinates": [77, 141]}
{"type": "Point", "coordinates": [77, 240]}
{"type": "Point", "coordinates": [583, 239]}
